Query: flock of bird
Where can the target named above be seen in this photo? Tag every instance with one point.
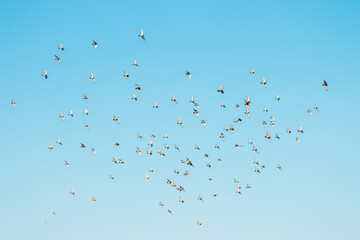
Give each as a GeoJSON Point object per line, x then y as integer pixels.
{"type": "Point", "coordinates": [187, 161]}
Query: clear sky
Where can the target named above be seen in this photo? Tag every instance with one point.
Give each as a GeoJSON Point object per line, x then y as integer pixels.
{"type": "Point", "coordinates": [295, 45]}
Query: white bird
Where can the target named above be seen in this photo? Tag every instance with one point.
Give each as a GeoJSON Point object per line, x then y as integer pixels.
{"type": "Point", "coordinates": [309, 111]}
{"type": "Point", "coordinates": [199, 223]}
{"type": "Point", "coordinates": [138, 88]}
{"type": "Point", "coordinates": [134, 97]}
{"type": "Point", "coordinates": [50, 148]}
{"type": "Point", "coordinates": [256, 162]}
{"type": "Point", "coordinates": [72, 192]}
{"type": "Point", "coordinates": [298, 140]}
{"type": "Point", "coordinates": [147, 177]}
{"type": "Point", "coordinates": [94, 44]}
{"type": "Point", "coordinates": [138, 151]}
{"type": "Point", "coordinates": [86, 112]}
{"type": "Point", "coordinates": [161, 204]}
{"type": "Point", "coordinates": [71, 113]}
{"type": "Point", "coordinates": [265, 109]}
{"type": "Point", "coordinates": [200, 198]}
{"type": "Point", "coordinates": [155, 105]}
{"type": "Point", "coordinates": [247, 185]}
{"type": "Point", "coordinates": [126, 74]}
{"type": "Point", "coordinates": [263, 82]}
{"type": "Point", "coordinates": [142, 34]}
{"type": "Point", "coordinates": [45, 74]}
{"type": "Point", "coordinates": [316, 108]}
{"type": "Point", "coordinates": [203, 122]}
{"type": "Point", "coordinates": [221, 89]}
{"type": "Point", "coordinates": [61, 47]}
{"type": "Point", "coordinates": [61, 116]}
{"type": "Point", "coordinates": [116, 119]}
{"type": "Point", "coordinates": [111, 177]}
{"type": "Point", "coordinates": [57, 59]}
{"type": "Point", "coordinates": [165, 136]}
{"type": "Point", "coordinates": [92, 77]}
{"type": "Point", "coordinates": [83, 147]}
{"type": "Point", "coordinates": [252, 72]}
{"type": "Point", "coordinates": [67, 164]}
{"type": "Point", "coordinates": [59, 142]}
{"type": "Point", "coordinates": [268, 136]}
{"type": "Point", "coordinates": [181, 200]}
{"type": "Point", "coordinates": [135, 64]}
{"type": "Point", "coordinates": [180, 122]}
{"type": "Point", "coordinates": [188, 74]}
{"type": "Point", "coordinates": [94, 200]}
{"type": "Point", "coordinates": [13, 103]}
{"type": "Point", "coordinates": [278, 166]}
{"type": "Point", "coordinates": [94, 150]}
{"type": "Point", "coordinates": [300, 129]}
{"type": "Point", "coordinates": [86, 125]}
{"type": "Point", "coordinates": [173, 99]}
{"type": "Point", "coordinates": [277, 97]}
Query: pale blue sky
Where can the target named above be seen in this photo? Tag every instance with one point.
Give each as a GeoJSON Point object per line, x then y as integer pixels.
{"type": "Point", "coordinates": [294, 45]}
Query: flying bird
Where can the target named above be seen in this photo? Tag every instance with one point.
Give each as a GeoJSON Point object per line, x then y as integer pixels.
{"type": "Point", "coordinates": [325, 84]}
{"type": "Point", "coordinates": [116, 119]}
{"type": "Point", "coordinates": [221, 89]}
{"type": "Point", "coordinates": [45, 74]}
{"type": "Point", "coordinates": [142, 34]}
{"type": "Point", "coordinates": [92, 77]}
{"type": "Point", "coordinates": [57, 59]}
{"type": "Point", "coordinates": [94, 44]}
{"type": "Point", "coordinates": [188, 74]}
{"type": "Point", "coordinates": [135, 64]}
{"type": "Point", "coordinates": [61, 47]}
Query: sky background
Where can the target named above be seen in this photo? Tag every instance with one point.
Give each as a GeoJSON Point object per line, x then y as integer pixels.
{"type": "Point", "coordinates": [294, 45]}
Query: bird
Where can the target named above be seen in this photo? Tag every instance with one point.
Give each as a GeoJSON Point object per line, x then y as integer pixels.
{"type": "Point", "coordinates": [309, 111]}
{"type": "Point", "coordinates": [134, 97]}
{"type": "Point", "coordinates": [85, 98]}
{"type": "Point", "coordinates": [217, 146]}
{"type": "Point", "coordinates": [247, 185]}
{"type": "Point", "coordinates": [247, 101]}
{"type": "Point", "coordinates": [116, 119]}
{"type": "Point", "coordinates": [300, 129]}
{"type": "Point", "coordinates": [139, 136]}
{"type": "Point", "coordinates": [83, 147]}
{"type": "Point", "coordinates": [265, 109]}
{"type": "Point", "coordinates": [268, 136]}
{"type": "Point", "coordinates": [147, 177]}
{"type": "Point", "coordinates": [255, 149]}
{"type": "Point", "coordinates": [155, 105]}
{"type": "Point", "coordinates": [238, 189]}
{"type": "Point", "coordinates": [86, 112]}
{"type": "Point", "coordinates": [199, 223]}
{"type": "Point", "coordinates": [277, 97]}
{"type": "Point", "coordinates": [61, 116]}
{"type": "Point", "coordinates": [252, 72]}
{"type": "Point", "coordinates": [111, 177]}
{"type": "Point", "coordinates": [215, 196]}
{"type": "Point", "coordinates": [149, 151]}
{"type": "Point", "coordinates": [169, 211]}
{"type": "Point", "coordinates": [187, 73]}
{"type": "Point", "coordinates": [288, 130]}
{"type": "Point", "coordinates": [86, 125]}
{"type": "Point", "coordinates": [221, 89]}
{"type": "Point", "coordinates": [94, 200]}
{"type": "Point", "coordinates": [196, 112]}
{"type": "Point", "coordinates": [203, 122]}
{"type": "Point", "coordinates": [263, 82]}
{"type": "Point", "coordinates": [181, 200]}
{"type": "Point", "coordinates": [235, 180]}
{"type": "Point", "coordinates": [325, 84]}
{"type": "Point", "coordinates": [135, 64]}
{"type": "Point", "coordinates": [316, 108]}
{"type": "Point", "coordinates": [165, 136]}
{"type": "Point", "coordinates": [117, 146]}
{"type": "Point", "coordinates": [126, 75]}
{"type": "Point", "coordinates": [177, 148]}
{"type": "Point", "coordinates": [200, 198]}
{"type": "Point", "coordinates": [142, 34]}
{"type": "Point", "coordinates": [50, 148]}
{"type": "Point", "coordinates": [94, 150]}
{"type": "Point", "coordinates": [71, 113]}
{"type": "Point", "coordinates": [92, 77]}
{"type": "Point", "coordinates": [211, 180]}
{"type": "Point", "coordinates": [196, 147]}
{"type": "Point", "coordinates": [180, 122]}
{"type": "Point", "coordinates": [61, 47]}
{"type": "Point", "coordinates": [298, 140]}
{"type": "Point", "coordinates": [223, 105]}
{"type": "Point", "coordinates": [95, 44]}
{"type": "Point", "coordinates": [45, 74]}
{"type": "Point", "coordinates": [161, 204]}
{"type": "Point", "coordinates": [13, 103]}
{"type": "Point", "coordinates": [257, 170]}
{"type": "Point", "coordinates": [256, 162]}
{"type": "Point", "coordinates": [73, 193]}
{"type": "Point", "coordinates": [67, 164]}
{"type": "Point", "coordinates": [278, 166]}
{"type": "Point", "coordinates": [173, 99]}
{"type": "Point", "coordinates": [57, 59]}
{"type": "Point", "coordinates": [59, 142]}
{"type": "Point", "coordinates": [138, 151]}
{"type": "Point", "coordinates": [277, 136]}
{"type": "Point", "coordinates": [237, 106]}
{"type": "Point", "coordinates": [250, 141]}
{"type": "Point", "coordinates": [151, 170]}
{"type": "Point", "coordinates": [138, 88]}
{"type": "Point", "coordinates": [176, 171]}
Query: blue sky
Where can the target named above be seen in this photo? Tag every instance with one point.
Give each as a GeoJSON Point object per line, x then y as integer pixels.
{"type": "Point", "coordinates": [294, 45]}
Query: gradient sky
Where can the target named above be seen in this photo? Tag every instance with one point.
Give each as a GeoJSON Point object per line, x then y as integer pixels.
{"type": "Point", "coordinates": [294, 45]}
